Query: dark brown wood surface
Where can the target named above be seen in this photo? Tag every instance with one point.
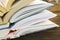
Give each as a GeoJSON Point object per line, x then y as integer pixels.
{"type": "Point", "coordinates": [51, 34]}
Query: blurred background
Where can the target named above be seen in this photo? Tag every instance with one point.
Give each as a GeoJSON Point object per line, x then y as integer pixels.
{"type": "Point", "coordinates": [51, 34]}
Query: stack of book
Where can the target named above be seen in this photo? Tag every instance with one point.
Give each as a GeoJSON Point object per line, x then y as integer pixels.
{"type": "Point", "coordinates": [20, 17]}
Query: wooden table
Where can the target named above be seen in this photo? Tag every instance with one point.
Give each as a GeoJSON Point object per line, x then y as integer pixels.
{"type": "Point", "coordinates": [57, 1]}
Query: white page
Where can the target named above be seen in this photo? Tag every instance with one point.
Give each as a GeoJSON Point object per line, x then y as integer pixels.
{"type": "Point", "coordinates": [27, 13]}
{"type": "Point", "coordinates": [4, 33]}
{"type": "Point", "coordinates": [41, 5]}
{"type": "Point", "coordinates": [41, 16]}
{"type": "Point", "coordinates": [4, 26]}
{"type": "Point", "coordinates": [34, 28]}
{"type": "Point", "coordinates": [39, 27]}
{"type": "Point", "coordinates": [3, 3]}
{"type": "Point", "coordinates": [28, 10]}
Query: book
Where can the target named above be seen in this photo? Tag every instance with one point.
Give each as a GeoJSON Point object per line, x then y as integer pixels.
{"type": "Point", "coordinates": [29, 20]}
{"type": "Point", "coordinates": [18, 5]}
{"type": "Point", "coordinates": [15, 7]}
{"type": "Point", "coordinates": [30, 17]}
{"type": "Point", "coordinates": [47, 5]}
{"type": "Point", "coordinates": [5, 6]}
{"type": "Point", "coordinates": [33, 19]}
{"type": "Point", "coordinates": [39, 26]}
{"type": "Point", "coordinates": [29, 10]}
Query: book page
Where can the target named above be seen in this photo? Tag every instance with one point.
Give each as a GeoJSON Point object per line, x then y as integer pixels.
{"type": "Point", "coordinates": [15, 8]}
{"type": "Point", "coordinates": [3, 3]}
{"type": "Point", "coordinates": [37, 27]}
{"type": "Point", "coordinates": [33, 19]}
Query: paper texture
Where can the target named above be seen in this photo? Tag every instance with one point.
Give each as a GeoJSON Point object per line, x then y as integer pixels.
{"type": "Point", "coordinates": [33, 28]}
{"type": "Point", "coordinates": [15, 8]}
{"type": "Point", "coordinates": [3, 3]}
{"type": "Point", "coordinates": [30, 10]}
{"type": "Point", "coordinates": [41, 16]}
{"type": "Point", "coordinates": [26, 17]}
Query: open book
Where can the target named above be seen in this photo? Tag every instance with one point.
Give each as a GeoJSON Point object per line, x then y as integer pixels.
{"type": "Point", "coordinates": [39, 26]}
{"type": "Point", "coordinates": [29, 20]}
{"type": "Point", "coordinates": [26, 17]}
{"type": "Point", "coordinates": [29, 11]}
{"type": "Point", "coordinates": [15, 7]}
{"type": "Point", "coordinates": [32, 9]}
